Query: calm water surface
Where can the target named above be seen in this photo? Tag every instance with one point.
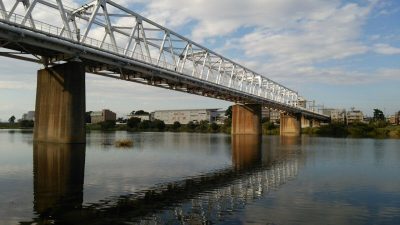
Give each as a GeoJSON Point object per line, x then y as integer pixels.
{"type": "Point", "coordinates": [181, 178]}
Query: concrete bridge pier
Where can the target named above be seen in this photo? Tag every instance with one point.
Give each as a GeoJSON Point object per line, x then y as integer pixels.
{"type": "Point", "coordinates": [246, 119]}
{"type": "Point", "coordinates": [290, 125]}
{"type": "Point", "coordinates": [305, 122]}
{"type": "Point", "coordinates": [60, 104]}
{"type": "Point", "coordinates": [315, 123]}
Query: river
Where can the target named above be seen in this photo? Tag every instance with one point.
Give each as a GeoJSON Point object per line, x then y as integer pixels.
{"type": "Point", "coordinates": [191, 178]}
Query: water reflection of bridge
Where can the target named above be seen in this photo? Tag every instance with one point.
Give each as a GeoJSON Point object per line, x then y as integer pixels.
{"type": "Point", "coordinates": [59, 176]}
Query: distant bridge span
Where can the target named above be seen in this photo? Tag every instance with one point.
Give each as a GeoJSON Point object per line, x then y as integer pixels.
{"type": "Point", "coordinates": [105, 38]}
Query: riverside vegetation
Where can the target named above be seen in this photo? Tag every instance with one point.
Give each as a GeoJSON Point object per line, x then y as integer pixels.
{"type": "Point", "coordinates": [357, 130]}
{"type": "Point", "coordinates": [376, 128]}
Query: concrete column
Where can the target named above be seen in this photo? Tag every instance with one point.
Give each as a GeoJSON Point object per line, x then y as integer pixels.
{"type": "Point", "coordinates": [290, 125]}
{"type": "Point", "coordinates": [315, 123]}
{"type": "Point", "coordinates": [60, 104]}
{"type": "Point", "coordinates": [246, 119]}
{"type": "Point", "coordinates": [305, 122]}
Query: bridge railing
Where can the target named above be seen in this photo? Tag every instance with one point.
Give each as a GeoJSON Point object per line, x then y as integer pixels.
{"type": "Point", "coordinates": [59, 32]}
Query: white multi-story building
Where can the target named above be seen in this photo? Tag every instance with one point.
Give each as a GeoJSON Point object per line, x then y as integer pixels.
{"type": "Point", "coordinates": [338, 115]}
{"type": "Point", "coordinates": [354, 116]}
{"type": "Point", "coordinates": [184, 116]}
{"type": "Point", "coordinates": [271, 115]}
{"type": "Point", "coordinates": [30, 115]}
{"type": "Point", "coordinates": [395, 119]}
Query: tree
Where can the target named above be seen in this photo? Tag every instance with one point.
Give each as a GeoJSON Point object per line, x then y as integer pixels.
{"type": "Point", "coordinates": [191, 126]}
{"type": "Point", "coordinates": [378, 115]}
{"type": "Point", "coordinates": [121, 120]}
{"type": "Point", "coordinates": [88, 119]}
{"type": "Point", "coordinates": [176, 126]}
{"type": "Point", "coordinates": [133, 122]}
{"type": "Point", "coordinates": [107, 125]}
{"type": "Point", "coordinates": [264, 120]}
{"type": "Point", "coordinates": [26, 123]}
{"type": "Point", "coordinates": [12, 119]}
{"type": "Point", "coordinates": [158, 124]}
{"type": "Point", "coordinates": [228, 122]}
{"type": "Point", "coordinates": [145, 124]}
{"type": "Point", "coordinates": [203, 126]}
{"type": "Point", "coordinates": [141, 112]}
{"type": "Point", "coordinates": [214, 127]}
{"type": "Point", "coordinates": [228, 112]}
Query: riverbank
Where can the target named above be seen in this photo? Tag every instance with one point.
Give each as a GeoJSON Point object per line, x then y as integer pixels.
{"type": "Point", "coordinates": [360, 130]}
{"type": "Point", "coordinates": [157, 126]}
{"type": "Point", "coordinates": [25, 124]}
{"type": "Point", "coordinates": [332, 130]}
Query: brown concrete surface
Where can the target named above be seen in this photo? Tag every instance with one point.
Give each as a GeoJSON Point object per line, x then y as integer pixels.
{"type": "Point", "coordinates": [60, 104]}
{"type": "Point", "coordinates": [315, 123]}
{"type": "Point", "coordinates": [305, 122]}
{"type": "Point", "coordinates": [246, 119]}
{"type": "Point", "coordinates": [290, 125]}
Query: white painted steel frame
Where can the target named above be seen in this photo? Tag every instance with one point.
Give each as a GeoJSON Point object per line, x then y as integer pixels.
{"type": "Point", "coordinates": [146, 41]}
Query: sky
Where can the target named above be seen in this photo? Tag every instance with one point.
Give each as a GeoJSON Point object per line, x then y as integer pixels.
{"type": "Point", "coordinates": [341, 54]}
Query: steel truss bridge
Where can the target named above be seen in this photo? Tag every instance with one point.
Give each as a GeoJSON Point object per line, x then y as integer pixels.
{"type": "Point", "coordinates": [116, 42]}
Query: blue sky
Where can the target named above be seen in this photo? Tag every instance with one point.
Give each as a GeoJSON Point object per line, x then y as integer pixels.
{"type": "Point", "coordinates": [340, 53]}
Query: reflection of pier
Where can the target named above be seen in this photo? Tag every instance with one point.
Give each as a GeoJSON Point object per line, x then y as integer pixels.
{"type": "Point", "coordinates": [213, 205]}
{"type": "Point", "coordinates": [58, 178]}
{"type": "Point", "coordinates": [59, 172]}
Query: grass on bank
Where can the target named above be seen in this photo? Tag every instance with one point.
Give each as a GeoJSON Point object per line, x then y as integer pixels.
{"type": "Point", "coordinates": [358, 130]}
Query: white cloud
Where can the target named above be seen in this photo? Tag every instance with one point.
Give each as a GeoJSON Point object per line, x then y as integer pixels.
{"type": "Point", "coordinates": [222, 17]}
{"type": "Point", "coordinates": [16, 85]}
{"type": "Point", "coordinates": [386, 49]}
{"type": "Point", "coordinates": [287, 39]}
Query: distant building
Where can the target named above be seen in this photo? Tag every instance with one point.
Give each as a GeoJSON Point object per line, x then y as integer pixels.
{"type": "Point", "coordinates": [338, 115]}
{"type": "Point", "coordinates": [354, 116]}
{"type": "Point", "coordinates": [30, 115]}
{"type": "Point", "coordinates": [302, 102]}
{"type": "Point", "coordinates": [271, 115]}
{"type": "Point", "coordinates": [395, 119]}
{"type": "Point", "coordinates": [101, 116]}
{"type": "Point", "coordinates": [327, 111]}
{"type": "Point", "coordinates": [184, 116]}
{"type": "Point", "coordinates": [220, 116]}
{"type": "Point", "coordinates": [392, 119]}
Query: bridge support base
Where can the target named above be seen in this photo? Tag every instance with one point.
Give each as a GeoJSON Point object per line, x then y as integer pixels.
{"type": "Point", "coordinates": [246, 119]}
{"type": "Point", "coordinates": [60, 104]}
{"type": "Point", "coordinates": [315, 123]}
{"type": "Point", "coordinates": [290, 125]}
{"type": "Point", "coordinates": [305, 122]}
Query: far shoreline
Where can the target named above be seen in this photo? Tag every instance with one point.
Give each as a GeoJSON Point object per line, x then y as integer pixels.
{"type": "Point", "coordinates": [331, 130]}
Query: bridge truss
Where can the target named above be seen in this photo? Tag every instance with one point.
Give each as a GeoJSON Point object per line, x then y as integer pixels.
{"type": "Point", "coordinates": [116, 42]}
